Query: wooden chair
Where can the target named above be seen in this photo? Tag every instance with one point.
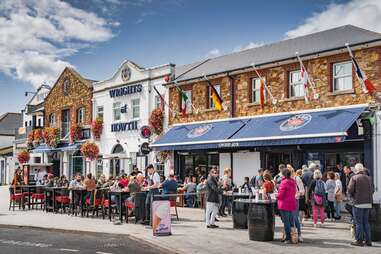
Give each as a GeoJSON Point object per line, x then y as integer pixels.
{"type": "Point", "coordinates": [15, 197]}
{"type": "Point", "coordinates": [173, 203]}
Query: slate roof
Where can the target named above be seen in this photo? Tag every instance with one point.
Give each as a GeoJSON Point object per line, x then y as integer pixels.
{"type": "Point", "coordinates": [9, 122]}
{"type": "Point", "coordinates": [327, 40]}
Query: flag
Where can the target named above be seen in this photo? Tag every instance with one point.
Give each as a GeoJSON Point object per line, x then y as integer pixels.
{"type": "Point", "coordinates": [304, 78]}
{"type": "Point", "coordinates": [366, 83]}
{"type": "Point", "coordinates": [217, 100]}
{"type": "Point", "coordinates": [184, 102]}
{"type": "Point", "coordinates": [262, 93]}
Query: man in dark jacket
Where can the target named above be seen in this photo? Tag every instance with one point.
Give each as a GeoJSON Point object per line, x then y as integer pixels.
{"type": "Point", "coordinates": [348, 175]}
{"type": "Point", "coordinates": [360, 189]}
{"type": "Point", "coordinates": [212, 199]}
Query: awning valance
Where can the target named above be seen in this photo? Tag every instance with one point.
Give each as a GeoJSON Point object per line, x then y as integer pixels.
{"type": "Point", "coordinates": [308, 127]}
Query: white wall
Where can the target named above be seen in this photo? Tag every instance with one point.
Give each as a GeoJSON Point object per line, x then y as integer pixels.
{"type": "Point", "coordinates": [245, 164]}
{"type": "Point", "coordinates": [377, 156]}
{"type": "Point", "coordinates": [224, 162]}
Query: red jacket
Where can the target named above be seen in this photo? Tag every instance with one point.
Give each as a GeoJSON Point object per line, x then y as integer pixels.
{"type": "Point", "coordinates": [286, 195]}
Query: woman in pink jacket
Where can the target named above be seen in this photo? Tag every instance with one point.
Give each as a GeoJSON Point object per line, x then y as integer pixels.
{"type": "Point", "coordinates": [287, 202]}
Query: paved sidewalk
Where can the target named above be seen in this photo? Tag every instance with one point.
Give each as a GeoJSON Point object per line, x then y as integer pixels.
{"type": "Point", "coordinates": [190, 234]}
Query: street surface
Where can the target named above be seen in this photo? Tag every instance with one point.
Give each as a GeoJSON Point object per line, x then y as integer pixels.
{"type": "Point", "coordinates": [15, 240]}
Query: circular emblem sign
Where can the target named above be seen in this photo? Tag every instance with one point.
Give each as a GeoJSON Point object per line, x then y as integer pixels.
{"type": "Point", "coordinates": [126, 74]}
{"type": "Point", "coordinates": [295, 122]}
{"type": "Point", "coordinates": [199, 131]}
{"type": "Point", "coordinates": [145, 131]}
{"type": "Point", "coordinates": [144, 148]}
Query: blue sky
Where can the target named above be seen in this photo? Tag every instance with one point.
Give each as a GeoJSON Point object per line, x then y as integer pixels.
{"type": "Point", "coordinates": [96, 36]}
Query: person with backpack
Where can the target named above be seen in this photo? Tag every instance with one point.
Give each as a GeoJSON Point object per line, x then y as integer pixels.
{"type": "Point", "coordinates": [257, 181]}
{"type": "Point", "coordinates": [316, 195]}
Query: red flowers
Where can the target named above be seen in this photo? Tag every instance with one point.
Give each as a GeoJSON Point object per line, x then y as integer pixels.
{"type": "Point", "coordinates": [90, 150]}
{"type": "Point", "coordinates": [35, 137]}
{"type": "Point", "coordinates": [96, 127]}
{"type": "Point", "coordinates": [75, 132]}
{"type": "Point", "coordinates": [51, 136]}
{"type": "Point", "coordinates": [156, 121]}
{"type": "Point", "coordinates": [23, 156]}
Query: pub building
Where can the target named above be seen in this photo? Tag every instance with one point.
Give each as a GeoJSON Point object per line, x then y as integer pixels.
{"type": "Point", "coordinates": [338, 126]}
{"type": "Point", "coordinates": [68, 103]}
{"type": "Point", "coordinates": [125, 102]}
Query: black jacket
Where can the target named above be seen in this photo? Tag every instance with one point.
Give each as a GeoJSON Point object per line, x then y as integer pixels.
{"type": "Point", "coordinates": [212, 190]}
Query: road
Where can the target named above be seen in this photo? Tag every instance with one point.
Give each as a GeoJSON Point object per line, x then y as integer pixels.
{"type": "Point", "coordinates": [38, 241]}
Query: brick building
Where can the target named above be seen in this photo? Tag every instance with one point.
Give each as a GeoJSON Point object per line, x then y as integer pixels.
{"type": "Point", "coordinates": [332, 130]}
{"type": "Point", "coordinates": [68, 102]}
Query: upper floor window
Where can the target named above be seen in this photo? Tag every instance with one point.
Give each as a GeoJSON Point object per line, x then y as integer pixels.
{"type": "Point", "coordinates": [135, 108]}
{"type": "Point", "coordinates": [81, 115]}
{"type": "Point", "coordinates": [26, 124]}
{"type": "Point", "coordinates": [296, 85]}
{"type": "Point", "coordinates": [187, 105]}
{"type": "Point", "coordinates": [66, 86]}
{"type": "Point", "coordinates": [100, 112]}
{"type": "Point", "coordinates": [52, 119]}
{"type": "Point", "coordinates": [255, 90]}
{"type": "Point", "coordinates": [158, 102]}
{"type": "Point", "coordinates": [39, 122]}
{"type": "Point", "coordinates": [218, 89]}
{"type": "Point", "coordinates": [342, 76]}
{"type": "Point", "coordinates": [116, 111]}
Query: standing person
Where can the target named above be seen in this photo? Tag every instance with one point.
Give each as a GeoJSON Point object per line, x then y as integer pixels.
{"type": "Point", "coordinates": [331, 195]}
{"type": "Point", "coordinates": [307, 178]}
{"type": "Point", "coordinates": [338, 196]}
{"type": "Point", "coordinates": [190, 190]}
{"type": "Point", "coordinates": [212, 199]}
{"type": "Point", "coordinates": [287, 202]}
{"type": "Point", "coordinates": [153, 189]}
{"type": "Point", "coordinates": [317, 197]}
{"type": "Point", "coordinates": [360, 189]}
{"type": "Point", "coordinates": [278, 178]}
{"type": "Point", "coordinates": [348, 175]}
{"type": "Point", "coordinates": [245, 188]}
{"type": "Point", "coordinates": [268, 185]}
{"type": "Point", "coordinates": [257, 180]}
{"type": "Point", "coordinates": [300, 194]}
{"type": "Point", "coordinates": [226, 186]}
{"type": "Point", "coordinates": [170, 184]}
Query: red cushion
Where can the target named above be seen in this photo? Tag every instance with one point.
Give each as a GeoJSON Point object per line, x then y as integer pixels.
{"type": "Point", "coordinates": [129, 205]}
{"type": "Point", "coordinates": [17, 196]}
{"type": "Point", "coordinates": [96, 203]}
{"type": "Point", "coordinates": [172, 203]}
{"type": "Point", "coordinates": [38, 196]}
{"type": "Point", "coordinates": [105, 203]}
{"type": "Point", "coordinates": [63, 199]}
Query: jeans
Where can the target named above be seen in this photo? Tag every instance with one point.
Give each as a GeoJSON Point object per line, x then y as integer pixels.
{"type": "Point", "coordinates": [315, 210]}
{"type": "Point", "coordinates": [295, 215]}
{"type": "Point", "coordinates": [362, 228]}
{"type": "Point", "coordinates": [211, 213]}
{"type": "Point", "coordinates": [287, 218]}
{"type": "Point", "coordinates": [337, 209]}
{"type": "Point", "coordinates": [331, 210]}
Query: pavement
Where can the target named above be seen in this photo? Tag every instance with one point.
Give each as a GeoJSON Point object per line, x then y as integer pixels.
{"type": "Point", "coordinates": [189, 235]}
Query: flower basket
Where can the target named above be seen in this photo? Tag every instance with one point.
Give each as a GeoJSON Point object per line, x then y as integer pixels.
{"type": "Point", "coordinates": [37, 137]}
{"type": "Point", "coordinates": [30, 138]}
{"type": "Point", "coordinates": [156, 120]}
{"type": "Point", "coordinates": [163, 156]}
{"type": "Point", "coordinates": [51, 136]}
{"type": "Point", "coordinates": [90, 150]}
{"type": "Point", "coordinates": [23, 156]}
{"type": "Point", "coordinates": [75, 133]}
{"type": "Point", "coordinates": [96, 127]}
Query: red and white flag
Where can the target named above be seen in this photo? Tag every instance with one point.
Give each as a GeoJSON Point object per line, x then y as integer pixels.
{"type": "Point", "coordinates": [304, 78]}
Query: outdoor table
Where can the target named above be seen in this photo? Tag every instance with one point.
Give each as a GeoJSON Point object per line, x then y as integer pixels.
{"type": "Point", "coordinates": [52, 191]}
{"type": "Point", "coordinates": [375, 222]}
{"type": "Point", "coordinates": [82, 194]}
{"type": "Point", "coordinates": [28, 189]}
{"type": "Point", "coordinates": [121, 195]}
{"type": "Point", "coordinates": [261, 219]}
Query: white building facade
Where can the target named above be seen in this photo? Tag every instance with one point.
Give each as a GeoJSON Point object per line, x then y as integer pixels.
{"type": "Point", "coordinates": [125, 102]}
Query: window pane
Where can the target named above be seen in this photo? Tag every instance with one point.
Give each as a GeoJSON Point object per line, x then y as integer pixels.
{"type": "Point", "coordinates": [344, 83]}
{"type": "Point", "coordinates": [116, 111]}
{"type": "Point", "coordinates": [343, 69]}
{"type": "Point", "coordinates": [295, 76]}
{"type": "Point", "coordinates": [135, 108]}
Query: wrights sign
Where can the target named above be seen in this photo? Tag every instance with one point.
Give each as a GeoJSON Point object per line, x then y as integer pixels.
{"type": "Point", "coordinates": [117, 127]}
{"type": "Point", "coordinates": [125, 90]}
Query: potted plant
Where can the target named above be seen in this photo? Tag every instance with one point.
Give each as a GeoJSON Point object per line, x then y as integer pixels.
{"type": "Point", "coordinates": [156, 121]}
{"type": "Point", "coordinates": [75, 132]}
{"type": "Point", "coordinates": [51, 136]}
{"type": "Point", "coordinates": [96, 127]}
{"type": "Point", "coordinates": [90, 150]}
{"type": "Point", "coordinates": [23, 156]}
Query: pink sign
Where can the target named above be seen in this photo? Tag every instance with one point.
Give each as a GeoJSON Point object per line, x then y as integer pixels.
{"type": "Point", "coordinates": [161, 217]}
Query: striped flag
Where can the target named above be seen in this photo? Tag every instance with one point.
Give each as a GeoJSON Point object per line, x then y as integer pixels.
{"type": "Point", "coordinates": [184, 102]}
{"type": "Point", "coordinates": [304, 78]}
{"type": "Point", "coordinates": [217, 100]}
{"type": "Point", "coordinates": [366, 84]}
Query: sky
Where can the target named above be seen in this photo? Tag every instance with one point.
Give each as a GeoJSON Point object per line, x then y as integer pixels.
{"type": "Point", "coordinates": [38, 38]}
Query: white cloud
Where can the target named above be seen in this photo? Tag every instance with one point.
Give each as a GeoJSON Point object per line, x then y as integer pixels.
{"type": "Point", "coordinates": [36, 35]}
{"type": "Point", "coordinates": [213, 53]}
{"type": "Point", "coordinates": [248, 46]}
{"type": "Point", "coordinates": [362, 13]}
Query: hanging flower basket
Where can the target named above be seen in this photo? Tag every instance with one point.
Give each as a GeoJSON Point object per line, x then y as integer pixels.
{"type": "Point", "coordinates": [90, 150]}
{"type": "Point", "coordinates": [75, 133]}
{"type": "Point", "coordinates": [51, 136]}
{"type": "Point", "coordinates": [30, 138]}
{"type": "Point", "coordinates": [37, 137]}
{"type": "Point", "coordinates": [96, 127]}
{"type": "Point", "coordinates": [156, 121]}
{"type": "Point", "coordinates": [163, 156]}
{"type": "Point", "coordinates": [23, 156]}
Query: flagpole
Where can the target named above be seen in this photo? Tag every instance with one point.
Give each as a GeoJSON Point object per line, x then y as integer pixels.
{"type": "Point", "coordinates": [264, 82]}
{"type": "Point", "coordinates": [309, 80]}
{"type": "Point", "coordinates": [170, 109]}
{"type": "Point", "coordinates": [352, 57]}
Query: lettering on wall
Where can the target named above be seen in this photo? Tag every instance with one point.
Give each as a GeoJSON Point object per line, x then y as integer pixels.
{"type": "Point", "coordinates": [129, 126]}
{"type": "Point", "coordinates": [117, 92]}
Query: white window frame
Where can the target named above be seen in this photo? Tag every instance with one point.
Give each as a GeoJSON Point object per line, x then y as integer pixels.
{"type": "Point", "coordinates": [256, 90]}
{"type": "Point", "coordinates": [52, 119]}
{"type": "Point", "coordinates": [292, 83]}
{"type": "Point", "coordinates": [81, 115]}
{"type": "Point", "coordinates": [334, 77]}
{"type": "Point", "coordinates": [116, 112]}
{"type": "Point", "coordinates": [158, 102]}
{"type": "Point", "coordinates": [100, 113]}
{"type": "Point", "coordinates": [218, 89]}
{"type": "Point", "coordinates": [188, 93]}
{"type": "Point", "coordinates": [135, 108]}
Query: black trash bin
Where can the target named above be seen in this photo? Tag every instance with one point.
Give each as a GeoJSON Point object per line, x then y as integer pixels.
{"type": "Point", "coordinates": [240, 212]}
{"type": "Point", "coordinates": [261, 220]}
{"type": "Point", "coordinates": [375, 223]}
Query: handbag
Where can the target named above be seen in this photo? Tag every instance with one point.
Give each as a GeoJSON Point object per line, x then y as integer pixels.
{"type": "Point", "coordinates": [339, 197]}
{"type": "Point", "coordinates": [318, 200]}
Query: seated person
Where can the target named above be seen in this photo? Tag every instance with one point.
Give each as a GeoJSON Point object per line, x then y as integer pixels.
{"type": "Point", "coordinates": [169, 185]}
{"type": "Point", "coordinates": [101, 181]}
{"type": "Point", "coordinates": [190, 189]}
{"type": "Point", "coordinates": [123, 181]}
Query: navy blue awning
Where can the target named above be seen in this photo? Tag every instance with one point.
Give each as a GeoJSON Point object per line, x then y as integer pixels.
{"type": "Point", "coordinates": [314, 127]}
{"type": "Point", "coordinates": [61, 147]}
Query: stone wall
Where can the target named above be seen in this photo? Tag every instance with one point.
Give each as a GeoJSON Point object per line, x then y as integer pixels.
{"type": "Point", "coordinates": [79, 95]}
{"type": "Point", "coordinates": [319, 69]}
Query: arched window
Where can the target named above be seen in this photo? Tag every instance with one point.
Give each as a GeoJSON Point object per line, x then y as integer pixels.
{"type": "Point", "coordinates": [66, 86]}
{"type": "Point", "coordinates": [118, 149]}
{"type": "Point", "coordinates": [81, 115]}
{"type": "Point", "coordinates": [115, 163]}
{"type": "Point", "coordinates": [52, 119]}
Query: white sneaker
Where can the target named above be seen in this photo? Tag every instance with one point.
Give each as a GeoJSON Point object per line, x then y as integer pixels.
{"type": "Point", "coordinates": [300, 239]}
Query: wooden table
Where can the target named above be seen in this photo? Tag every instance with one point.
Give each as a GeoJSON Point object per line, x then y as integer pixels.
{"type": "Point", "coordinates": [120, 195]}
{"type": "Point", "coordinates": [53, 191]}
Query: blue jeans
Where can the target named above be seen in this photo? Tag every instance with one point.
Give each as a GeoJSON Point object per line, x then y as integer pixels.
{"type": "Point", "coordinates": [295, 218]}
{"type": "Point", "coordinates": [362, 228]}
{"type": "Point", "coordinates": [337, 209]}
{"type": "Point", "coordinates": [288, 221]}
